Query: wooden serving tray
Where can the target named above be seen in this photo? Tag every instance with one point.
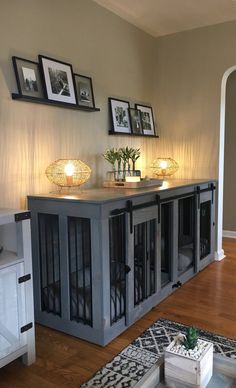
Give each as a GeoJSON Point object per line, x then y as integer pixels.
{"type": "Point", "coordinates": [133, 185]}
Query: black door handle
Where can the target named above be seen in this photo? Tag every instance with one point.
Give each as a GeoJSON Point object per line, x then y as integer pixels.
{"type": "Point", "coordinates": [127, 269]}
{"type": "Point", "coordinates": [177, 285]}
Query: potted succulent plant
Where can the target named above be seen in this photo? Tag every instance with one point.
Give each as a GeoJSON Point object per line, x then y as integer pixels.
{"type": "Point", "coordinates": [189, 360]}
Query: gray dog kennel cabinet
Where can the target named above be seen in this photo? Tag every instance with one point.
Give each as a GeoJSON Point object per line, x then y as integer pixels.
{"type": "Point", "coordinates": [102, 258]}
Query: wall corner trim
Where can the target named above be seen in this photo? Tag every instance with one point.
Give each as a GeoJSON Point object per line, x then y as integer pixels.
{"type": "Point", "coordinates": [220, 255]}
{"type": "Point", "coordinates": [229, 233]}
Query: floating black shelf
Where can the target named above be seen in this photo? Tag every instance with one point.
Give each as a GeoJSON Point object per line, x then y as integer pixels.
{"type": "Point", "coordinates": [132, 134]}
{"type": "Point", "coordinates": [16, 96]}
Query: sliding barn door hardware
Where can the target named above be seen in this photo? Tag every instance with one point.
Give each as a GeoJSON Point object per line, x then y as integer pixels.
{"type": "Point", "coordinates": [158, 201]}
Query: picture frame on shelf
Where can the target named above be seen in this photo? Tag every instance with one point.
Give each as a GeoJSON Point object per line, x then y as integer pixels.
{"type": "Point", "coordinates": [84, 91]}
{"type": "Point", "coordinates": [135, 121]}
{"type": "Point", "coordinates": [58, 80]}
{"type": "Point", "coordinates": [28, 77]}
{"type": "Point", "coordinates": [119, 112]}
{"type": "Point", "coordinates": [147, 119]}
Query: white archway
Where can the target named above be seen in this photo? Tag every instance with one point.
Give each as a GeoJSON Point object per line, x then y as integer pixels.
{"type": "Point", "coordinates": [220, 252]}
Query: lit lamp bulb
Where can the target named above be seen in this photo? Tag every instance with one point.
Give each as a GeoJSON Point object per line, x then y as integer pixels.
{"type": "Point", "coordinates": [69, 170]}
{"type": "Point", "coordinates": [163, 165]}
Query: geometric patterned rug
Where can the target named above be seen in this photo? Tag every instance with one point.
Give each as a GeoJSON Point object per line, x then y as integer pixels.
{"type": "Point", "coordinates": [131, 364]}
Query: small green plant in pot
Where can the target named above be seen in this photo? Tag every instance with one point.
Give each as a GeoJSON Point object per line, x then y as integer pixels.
{"type": "Point", "coordinates": [191, 338]}
{"type": "Point", "coordinates": [192, 357]}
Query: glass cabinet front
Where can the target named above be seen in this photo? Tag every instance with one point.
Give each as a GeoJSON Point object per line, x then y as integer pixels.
{"type": "Point", "coordinates": [11, 305]}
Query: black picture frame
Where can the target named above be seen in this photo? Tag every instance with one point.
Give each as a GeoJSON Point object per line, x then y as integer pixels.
{"type": "Point", "coordinates": [119, 114]}
{"type": "Point", "coordinates": [28, 77]}
{"type": "Point", "coordinates": [58, 80]}
{"type": "Point", "coordinates": [147, 119]}
{"type": "Point", "coordinates": [84, 90]}
{"type": "Point", "coordinates": [135, 121]}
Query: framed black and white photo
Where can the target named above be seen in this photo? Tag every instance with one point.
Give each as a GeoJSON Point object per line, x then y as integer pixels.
{"type": "Point", "coordinates": [28, 77]}
{"type": "Point", "coordinates": [84, 91]}
{"type": "Point", "coordinates": [135, 121]}
{"type": "Point", "coordinates": [119, 111]}
{"type": "Point", "coordinates": [147, 119]}
{"type": "Point", "coordinates": [59, 80]}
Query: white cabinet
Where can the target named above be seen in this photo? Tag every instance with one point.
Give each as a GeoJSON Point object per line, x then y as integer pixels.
{"type": "Point", "coordinates": [16, 294]}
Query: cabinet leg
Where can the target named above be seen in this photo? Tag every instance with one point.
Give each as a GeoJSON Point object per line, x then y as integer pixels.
{"type": "Point", "coordinates": [29, 358]}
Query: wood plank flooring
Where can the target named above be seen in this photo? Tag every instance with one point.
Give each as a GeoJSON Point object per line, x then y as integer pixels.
{"type": "Point", "coordinates": [207, 301]}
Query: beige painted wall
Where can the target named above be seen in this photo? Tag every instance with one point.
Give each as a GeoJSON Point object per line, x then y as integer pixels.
{"type": "Point", "coordinates": [230, 156]}
{"type": "Point", "coordinates": [179, 74]}
{"type": "Point", "coordinates": [118, 57]}
{"type": "Point", "coordinates": [190, 67]}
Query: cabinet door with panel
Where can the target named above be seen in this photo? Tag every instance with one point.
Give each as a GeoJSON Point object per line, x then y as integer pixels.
{"type": "Point", "coordinates": [118, 267]}
{"type": "Point", "coordinates": [178, 242]}
{"type": "Point", "coordinates": [16, 294]}
{"type": "Point", "coordinates": [167, 247]}
{"type": "Point", "coordinates": [187, 235]}
{"type": "Point", "coordinates": [206, 227]}
{"type": "Point", "coordinates": [143, 247]}
{"type": "Point", "coordinates": [12, 310]}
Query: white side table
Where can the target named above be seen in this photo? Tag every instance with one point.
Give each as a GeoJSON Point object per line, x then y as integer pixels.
{"type": "Point", "coordinates": [17, 335]}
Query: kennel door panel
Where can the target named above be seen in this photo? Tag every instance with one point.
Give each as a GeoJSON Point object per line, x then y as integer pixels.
{"type": "Point", "coordinates": [206, 229]}
{"type": "Point", "coordinates": [142, 259]}
{"type": "Point", "coordinates": [186, 234]}
{"type": "Point", "coordinates": [167, 253]}
{"type": "Point", "coordinates": [118, 267]}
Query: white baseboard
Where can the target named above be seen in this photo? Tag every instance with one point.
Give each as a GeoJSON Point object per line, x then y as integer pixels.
{"type": "Point", "coordinates": [229, 233]}
{"type": "Point", "coordinates": [219, 255]}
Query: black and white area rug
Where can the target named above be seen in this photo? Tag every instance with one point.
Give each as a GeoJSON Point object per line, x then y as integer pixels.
{"type": "Point", "coordinates": [131, 364]}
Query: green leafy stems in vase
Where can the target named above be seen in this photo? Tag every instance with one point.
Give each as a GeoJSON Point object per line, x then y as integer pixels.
{"type": "Point", "coordinates": [120, 158]}
{"type": "Point", "coordinates": [111, 157]}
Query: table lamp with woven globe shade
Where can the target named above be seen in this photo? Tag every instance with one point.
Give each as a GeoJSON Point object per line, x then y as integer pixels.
{"type": "Point", "coordinates": [68, 172]}
{"type": "Point", "coordinates": [164, 167]}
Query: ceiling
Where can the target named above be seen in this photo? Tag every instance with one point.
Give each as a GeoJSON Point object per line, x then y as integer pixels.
{"type": "Point", "coordinates": [163, 17]}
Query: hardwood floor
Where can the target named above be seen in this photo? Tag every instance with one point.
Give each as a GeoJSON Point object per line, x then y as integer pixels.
{"type": "Point", "coordinates": [207, 301]}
